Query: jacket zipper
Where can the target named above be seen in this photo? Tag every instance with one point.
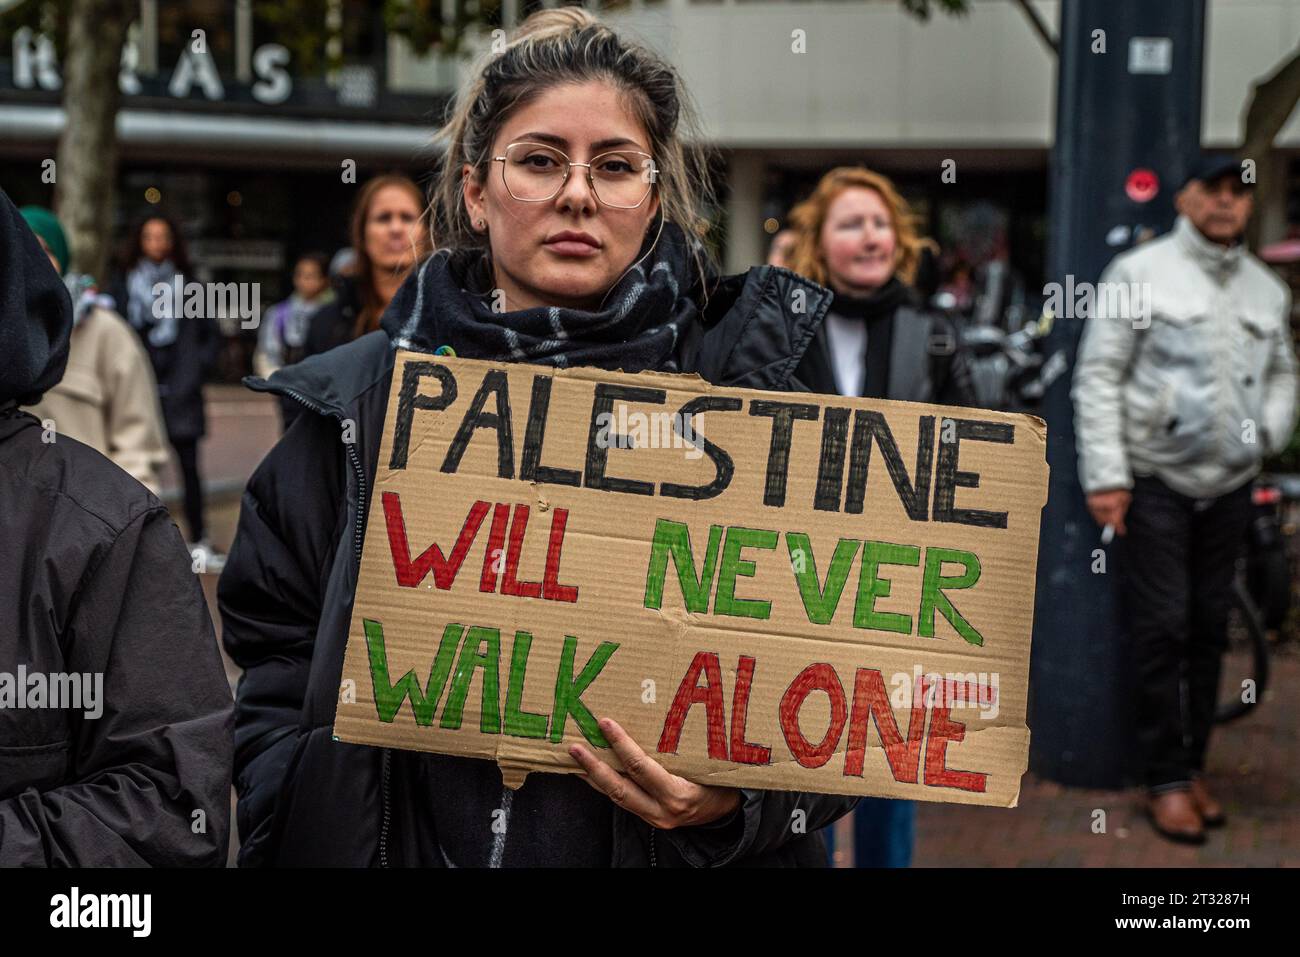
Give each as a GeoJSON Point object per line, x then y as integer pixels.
{"type": "Point", "coordinates": [358, 531]}
{"type": "Point", "coordinates": [383, 824]}
{"type": "Point", "coordinates": [653, 861]}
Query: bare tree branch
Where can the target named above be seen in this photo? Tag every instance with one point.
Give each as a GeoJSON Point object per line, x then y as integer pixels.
{"type": "Point", "coordinates": [1271, 103]}
{"type": "Point", "coordinates": [1039, 25]}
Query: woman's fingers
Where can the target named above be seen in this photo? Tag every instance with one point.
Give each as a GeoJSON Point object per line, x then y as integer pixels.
{"type": "Point", "coordinates": [619, 788]}
{"type": "Point", "coordinates": [638, 765]}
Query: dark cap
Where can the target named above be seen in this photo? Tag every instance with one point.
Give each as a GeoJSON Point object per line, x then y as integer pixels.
{"type": "Point", "coordinates": [1215, 166]}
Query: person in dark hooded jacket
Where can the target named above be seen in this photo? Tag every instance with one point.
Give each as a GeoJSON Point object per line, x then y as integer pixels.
{"type": "Point", "coordinates": [537, 263]}
{"type": "Point", "coordinates": [115, 715]}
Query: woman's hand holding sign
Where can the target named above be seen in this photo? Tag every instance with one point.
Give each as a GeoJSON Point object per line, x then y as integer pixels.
{"type": "Point", "coordinates": [649, 791]}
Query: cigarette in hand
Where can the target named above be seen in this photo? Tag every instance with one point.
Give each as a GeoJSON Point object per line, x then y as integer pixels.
{"type": "Point", "coordinates": [1107, 534]}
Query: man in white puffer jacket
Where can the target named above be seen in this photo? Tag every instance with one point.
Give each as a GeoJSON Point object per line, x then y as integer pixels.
{"type": "Point", "coordinates": [1179, 394]}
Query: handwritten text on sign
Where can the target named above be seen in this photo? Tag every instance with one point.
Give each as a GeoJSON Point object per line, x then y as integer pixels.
{"type": "Point", "coordinates": [767, 590]}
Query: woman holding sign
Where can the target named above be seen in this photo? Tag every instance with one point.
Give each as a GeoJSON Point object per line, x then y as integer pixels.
{"type": "Point", "coordinates": [566, 221]}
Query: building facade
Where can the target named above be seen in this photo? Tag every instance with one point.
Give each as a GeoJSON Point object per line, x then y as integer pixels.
{"type": "Point", "coordinates": [248, 142]}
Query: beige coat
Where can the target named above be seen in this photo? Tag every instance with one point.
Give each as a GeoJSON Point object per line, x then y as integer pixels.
{"type": "Point", "coordinates": [107, 398]}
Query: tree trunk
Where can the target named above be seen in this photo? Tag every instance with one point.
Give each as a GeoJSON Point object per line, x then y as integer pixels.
{"type": "Point", "coordinates": [86, 164]}
{"type": "Point", "coordinates": [1271, 104]}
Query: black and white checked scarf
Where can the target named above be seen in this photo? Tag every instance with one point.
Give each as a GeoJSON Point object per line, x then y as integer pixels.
{"type": "Point", "coordinates": [447, 301]}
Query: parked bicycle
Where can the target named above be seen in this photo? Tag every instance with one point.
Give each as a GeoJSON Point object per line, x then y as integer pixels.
{"type": "Point", "coordinates": [1261, 595]}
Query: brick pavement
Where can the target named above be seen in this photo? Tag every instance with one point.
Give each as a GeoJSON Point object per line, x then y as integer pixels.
{"type": "Point", "coordinates": [1254, 769]}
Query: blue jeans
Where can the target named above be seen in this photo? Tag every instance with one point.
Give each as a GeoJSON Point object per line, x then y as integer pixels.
{"type": "Point", "coordinates": [883, 832]}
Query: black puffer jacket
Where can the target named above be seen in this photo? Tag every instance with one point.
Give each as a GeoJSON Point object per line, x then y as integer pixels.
{"type": "Point", "coordinates": [95, 582]}
{"type": "Point", "coordinates": [286, 603]}
{"type": "Point", "coordinates": [330, 326]}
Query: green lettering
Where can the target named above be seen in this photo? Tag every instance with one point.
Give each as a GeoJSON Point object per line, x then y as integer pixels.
{"type": "Point", "coordinates": [675, 538]}
{"type": "Point", "coordinates": [933, 584]}
{"type": "Point", "coordinates": [871, 586]}
{"type": "Point", "coordinates": [726, 602]}
{"type": "Point", "coordinates": [568, 692]}
{"type": "Point", "coordinates": [389, 697]}
{"type": "Point", "coordinates": [470, 658]}
{"type": "Point", "coordinates": [820, 602]}
{"type": "Point", "coordinates": [519, 723]}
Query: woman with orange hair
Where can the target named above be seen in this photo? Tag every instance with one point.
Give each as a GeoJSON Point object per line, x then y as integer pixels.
{"type": "Point", "coordinates": [856, 235]}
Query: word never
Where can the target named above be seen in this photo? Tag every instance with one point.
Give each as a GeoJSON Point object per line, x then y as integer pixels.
{"type": "Point", "coordinates": [820, 599]}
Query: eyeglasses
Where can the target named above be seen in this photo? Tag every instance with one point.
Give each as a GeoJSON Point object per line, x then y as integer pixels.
{"type": "Point", "coordinates": [534, 173]}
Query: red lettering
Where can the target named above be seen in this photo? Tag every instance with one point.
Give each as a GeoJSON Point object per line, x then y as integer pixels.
{"type": "Point", "coordinates": [551, 588]}
{"type": "Point", "coordinates": [742, 752]}
{"type": "Point", "coordinates": [495, 548]}
{"type": "Point", "coordinates": [411, 573]}
{"type": "Point", "coordinates": [510, 584]}
{"type": "Point", "coordinates": [870, 701]}
{"type": "Point", "coordinates": [688, 693]}
{"type": "Point", "coordinates": [943, 730]}
{"type": "Point", "coordinates": [816, 677]}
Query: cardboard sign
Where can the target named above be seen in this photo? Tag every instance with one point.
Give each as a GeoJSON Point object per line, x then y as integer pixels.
{"type": "Point", "coordinates": [767, 590]}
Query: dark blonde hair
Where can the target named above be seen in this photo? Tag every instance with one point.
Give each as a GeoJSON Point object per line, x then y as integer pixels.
{"type": "Point", "coordinates": [567, 45]}
{"type": "Point", "coordinates": [808, 218]}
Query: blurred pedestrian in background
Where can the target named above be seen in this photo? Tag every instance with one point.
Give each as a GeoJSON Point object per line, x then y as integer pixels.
{"type": "Point", "coordinates": [182, 349]}
{"type": "Point", "coordinates": [389, 237]}
{"type": "Point", "coordinates": [107, 397]}
{"type": "Point", "coordinates": [857, 235]}
{"type": "Point", "coordinates": [1178, 397]}
{"type": "Point", "coordinates": [960, 285]}
{"type": "Point", "coordinates": [282, 338]}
